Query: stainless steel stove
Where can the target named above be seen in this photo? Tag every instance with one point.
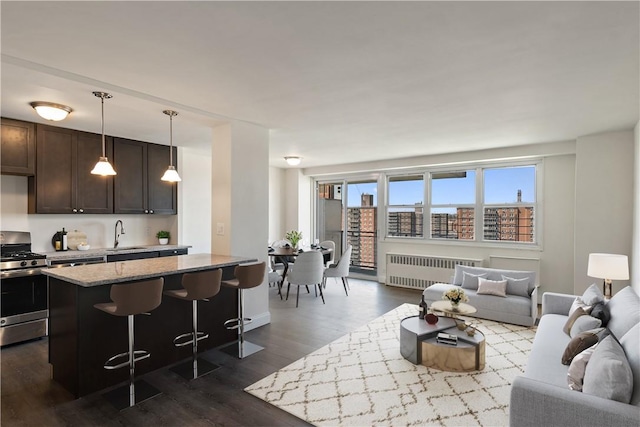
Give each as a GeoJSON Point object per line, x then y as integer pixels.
{"type": "Point", "coordinates": [24, 303]}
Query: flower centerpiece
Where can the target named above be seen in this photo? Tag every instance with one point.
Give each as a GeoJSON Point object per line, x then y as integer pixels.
{"type": "Point", "coordinates": [455, 296]}
{"type": "Point", "coordinates": [294, 238]}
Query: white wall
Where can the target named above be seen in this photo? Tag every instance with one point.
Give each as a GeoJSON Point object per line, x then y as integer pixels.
{"type": "Point", "coordinates": [276, 208]}
{"type": "Point", "coordinates": [604, 201]}
{"type": "Point", "coordinates": [298, 203]}
{"type": "Point", "coordinates": [140, 229]}
{"type": "Point", "coordinates": [635, 252]}
{"type": "Point", "coordinates": [240, 191]}
{"type": "Point", "coordinates": [194, 207]}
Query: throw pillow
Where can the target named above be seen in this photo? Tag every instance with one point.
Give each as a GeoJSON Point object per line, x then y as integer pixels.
{"type": "Point", "coordinates": [492, 287]}
{"type": "Point", "coordinates": [624, 307]}
{"type": "Point", "coordinates": [608, 374]}
{"type": "Point", "coordinates": [579, 303]}
{"type": "Point", "coordinates": [592, 295]}
{"type": "Point", "coordinates": [584, 323]}
{"type": "Point", "coordinates": [578, 344]}
{"type": "Point", "coordinates": [630, 343]}
{"type": "Point", "coordinates": [517, 286]}
{"type": "Point", "coordinates": [575, 374]}
{"type": "Point", "coordinates": [572, 319]}
{"type": "Point", "coordinates": [470, 281]}
{"type": "Point", "coordinates": [600, 311]}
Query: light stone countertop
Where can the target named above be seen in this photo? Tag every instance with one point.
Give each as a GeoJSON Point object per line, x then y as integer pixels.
{"type": "Point", "coordinates": [125, 271]}
{"type": "Point", "coordinates": [75, 254]}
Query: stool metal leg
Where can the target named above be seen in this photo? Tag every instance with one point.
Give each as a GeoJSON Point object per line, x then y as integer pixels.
{"type": "Point", "coordinates": [126, 396]}
{"type": "Point", "coordinates": [196, 367]}
{"type": "Point", "coordinates": [242, 348]}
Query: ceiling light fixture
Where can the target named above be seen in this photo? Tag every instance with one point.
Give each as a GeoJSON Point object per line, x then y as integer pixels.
{"type": "Point", "coordinates": [51, 111]}
{"type": "Point", "coordinates": [171, 173]}
{"type": "Point", "coordinates": [293, 160]}
{"type": "Point", "coordinates": [103, 167]}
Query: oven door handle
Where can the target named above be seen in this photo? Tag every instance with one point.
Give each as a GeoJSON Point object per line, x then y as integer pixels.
{"type": "Point", "coordinates": [21, 273]}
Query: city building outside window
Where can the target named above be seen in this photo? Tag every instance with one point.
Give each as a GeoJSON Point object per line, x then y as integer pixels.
{"type": "Point", "coordinates": [405, 209]}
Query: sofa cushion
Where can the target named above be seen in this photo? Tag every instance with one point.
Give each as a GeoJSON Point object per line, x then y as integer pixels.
{"type": "Point", "coordinates": [624, 308]}
{"type": "Point", "coordinates": [608, 374]}
{"type": "Point", "coordinates": [584, 323]}
{"type": "Point", "coordinates": [578, 344]}
{"type": "Point", "coordinates": [494, 274]}
{"type": "Point", "coordinates": [470, 281]}
{"type": "Point", "coordinates": [592, 295]}
{"type": "Point", "coordinates": [630, 343]}
{"type": "Point", "coordinates": [575, 375]}
{"type": "Point", "coordinates": [517, 286]}
{"type": "Point", "coordinates": [544, 359]}
{"type": "Point", "coordinates": [600, 311]}
{"type": "Point", "coordinates": [492, 287]}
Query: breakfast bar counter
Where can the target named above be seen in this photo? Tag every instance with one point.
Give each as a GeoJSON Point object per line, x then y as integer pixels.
{"type": "Point", "coordinates": [82, 338]}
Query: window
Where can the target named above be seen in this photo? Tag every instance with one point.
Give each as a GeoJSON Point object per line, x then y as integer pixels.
{"type": "Point", "coordinates": [453, 196]}
{"type": "Point", "coordinates": [405, 210]}
{"type": "Point", "coordinates": [481, 204]}
{"type": "Point", "coordinates": [509, 204]}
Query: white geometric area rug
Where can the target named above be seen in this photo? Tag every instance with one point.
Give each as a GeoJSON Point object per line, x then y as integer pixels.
{"type": "Point", "coordinates": [362, 379]}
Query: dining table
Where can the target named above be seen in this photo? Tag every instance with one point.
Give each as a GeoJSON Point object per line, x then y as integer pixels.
{"type": "Point", "coordinates": [286, 255]}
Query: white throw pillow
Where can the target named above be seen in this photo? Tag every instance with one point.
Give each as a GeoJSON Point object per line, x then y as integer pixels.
{"type": "Point", "coordinates": [575, 374]}
{"type": "Point", "coordinates": [470, 281]}
{"type": "Point", "coordinates": [579, 303]}
{"type": "Point", "coordinates": [492, 287]}
{"type": "Point", "coordinates": [592, 295]}
{"type": "Point", "coordinates": [584, 323]}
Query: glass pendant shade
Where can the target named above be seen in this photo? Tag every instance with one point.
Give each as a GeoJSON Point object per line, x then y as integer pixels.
{"type": "Point", "coordinates": [103, 167]}
{"type": "Point", "coordinates": [51, 111]}
{"type": "Point", "coordinates": [171, 174]}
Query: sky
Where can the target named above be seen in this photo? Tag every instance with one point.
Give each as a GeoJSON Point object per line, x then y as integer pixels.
{"type": "Point", "coordinates": [501, 186]}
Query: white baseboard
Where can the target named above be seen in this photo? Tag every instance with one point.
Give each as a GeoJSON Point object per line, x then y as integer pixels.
{"type": "Point", "coordinates": [259, 320]}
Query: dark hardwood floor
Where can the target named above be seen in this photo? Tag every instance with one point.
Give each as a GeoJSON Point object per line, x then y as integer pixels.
{"type": "Point", "coordinates": [30, 398]}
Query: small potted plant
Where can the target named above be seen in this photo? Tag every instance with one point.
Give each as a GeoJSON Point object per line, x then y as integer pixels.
{"type": "Point", "coordinates": [294, 238]}
{"type": "Point", "coordinates": [163, 237]}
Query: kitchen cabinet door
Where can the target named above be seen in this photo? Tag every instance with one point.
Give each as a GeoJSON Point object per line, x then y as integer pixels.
{"type": "Point", "coordinates": [18, 156]}
{"type": "Point", "coordinates": [162, 194]}
{"type": "Point", "coordinates": [52, 189]}
{"type": "Point", "coordinates": [94, 193]}
{"type": "Point", "coordinates": [130, 183]}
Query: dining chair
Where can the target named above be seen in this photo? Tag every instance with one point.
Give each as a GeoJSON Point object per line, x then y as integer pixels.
{"type": "Point", "coordinates": [329, 244]}
{"type": "Point", "coordinates": [308, 270]}
{"type": "Point", "coordinates": [341, 269]}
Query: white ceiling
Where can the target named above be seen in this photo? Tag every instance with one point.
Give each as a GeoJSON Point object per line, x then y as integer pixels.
{"type": "Point", "coordinates": [336, 82]}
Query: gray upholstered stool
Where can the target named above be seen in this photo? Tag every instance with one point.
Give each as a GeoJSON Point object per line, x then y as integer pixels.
{"type": "Point", "coordinates": [198, 286]}
{"type": "Point", "coordinates": [128, 300]}
{"type": "Point", "coordinates": [247, 276]}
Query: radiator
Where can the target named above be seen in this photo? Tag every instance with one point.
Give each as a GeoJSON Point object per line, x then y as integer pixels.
{"type": "Point", "coordinates": [421, 271]}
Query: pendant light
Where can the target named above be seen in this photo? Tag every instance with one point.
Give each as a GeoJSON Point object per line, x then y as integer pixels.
{"type": "Point", "coordinates": [103, 167]}
{"type": "Point", "coordinates": [171, 174]}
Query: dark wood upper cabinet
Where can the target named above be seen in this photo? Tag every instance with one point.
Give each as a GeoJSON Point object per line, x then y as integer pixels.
{"type": "Point", "coordinates": [63, 182]}
{"type": "Point", "coordinates": [137, 186]}
{"type": "Point", "coordinates": [18, 156]}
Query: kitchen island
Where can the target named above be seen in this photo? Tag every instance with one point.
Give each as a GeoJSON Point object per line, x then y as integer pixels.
{"type": "Point", "coordinates": [82, 338]}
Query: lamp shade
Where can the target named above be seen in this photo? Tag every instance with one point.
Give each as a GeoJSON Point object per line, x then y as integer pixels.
{"type": "Point", "coordinates": [51, 111]}
{"type": "Point", "coordinates": [103, 167]}
{"type": "Point", "coordinates": [171, 175]}
{"type": "Point", "coordinates": [608, 266]}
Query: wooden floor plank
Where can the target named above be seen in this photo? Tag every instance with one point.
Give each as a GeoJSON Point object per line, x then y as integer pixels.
{"type": "Point", "coordinates": [30, 398]}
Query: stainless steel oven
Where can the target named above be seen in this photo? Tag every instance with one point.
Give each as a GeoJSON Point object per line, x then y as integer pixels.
{"type": "Point", "coordinates": [24, 293]}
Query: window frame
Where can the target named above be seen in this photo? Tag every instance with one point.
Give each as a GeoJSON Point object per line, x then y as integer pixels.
{"type": "Point", "coordinates": [388, 206]}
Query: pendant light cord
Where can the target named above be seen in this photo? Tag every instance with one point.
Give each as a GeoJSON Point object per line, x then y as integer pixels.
{"type": "Point", "coordinates": [104, 147]}
{"type": "Point", "coordinates": [171, 139]}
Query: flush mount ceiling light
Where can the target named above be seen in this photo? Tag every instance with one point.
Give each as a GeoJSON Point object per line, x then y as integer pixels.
{"type": "Point", "coordinates": [51, 111]}
{"type": "Point", "coordinates": [103, 167]}
{"type": "Point", "coordinates": [293, 160]}
{"type": "Point", "coordinates": [171, 174]}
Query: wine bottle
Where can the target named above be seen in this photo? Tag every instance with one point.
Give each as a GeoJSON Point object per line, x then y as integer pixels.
{"type": "Point", "coordinates": [423, 308]}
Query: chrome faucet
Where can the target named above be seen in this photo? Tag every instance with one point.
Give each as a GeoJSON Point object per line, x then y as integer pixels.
{"type": "Point", "coordinates": [117, 235]}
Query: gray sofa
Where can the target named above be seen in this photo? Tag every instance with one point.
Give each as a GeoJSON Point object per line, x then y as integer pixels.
{"type": "Point", "coordinates": [520, 306]}
{"type": "Point", "coordinates": [541, 396]}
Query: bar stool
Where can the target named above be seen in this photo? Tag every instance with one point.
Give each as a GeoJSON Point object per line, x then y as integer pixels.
{"type": "Point", "coordinates": [128, 300]}
{"type": "Point", "coordinates": [199, 286]}
{"type": "Point", "coordinates": [247, 276]}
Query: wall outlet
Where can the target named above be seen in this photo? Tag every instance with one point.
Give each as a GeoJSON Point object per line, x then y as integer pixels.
{"type": "Point", "coordinates": [220, 229]}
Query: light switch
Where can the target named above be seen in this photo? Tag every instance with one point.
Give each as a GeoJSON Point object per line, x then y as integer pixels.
{"type": "Point", "coordinates": [220, 229]}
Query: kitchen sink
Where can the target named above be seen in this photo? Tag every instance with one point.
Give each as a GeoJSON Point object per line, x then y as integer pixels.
{"type": "Point", "coordinates": [128, 248]}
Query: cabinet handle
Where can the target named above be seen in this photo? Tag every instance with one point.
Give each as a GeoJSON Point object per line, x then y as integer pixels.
{"type": "Point", "coordinates": [146, 211]}
{"type": "Point", "coordinates": [151, 211]}
{"type": "Point", "coordinates": [81, 210]}
{"type": "Point", "coordinates": [75, 210]}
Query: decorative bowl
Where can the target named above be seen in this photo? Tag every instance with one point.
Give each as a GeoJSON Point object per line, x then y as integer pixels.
{"type": "Point", "coordinates": [84, 247]}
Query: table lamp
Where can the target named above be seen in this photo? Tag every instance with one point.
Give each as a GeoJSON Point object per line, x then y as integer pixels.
{"type": "Point", "coordinates": [608, 267]}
